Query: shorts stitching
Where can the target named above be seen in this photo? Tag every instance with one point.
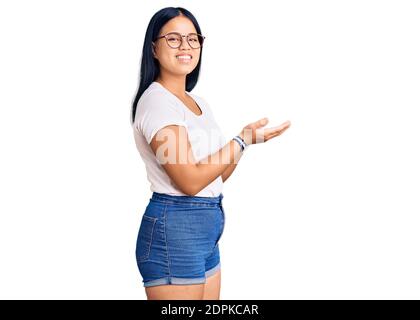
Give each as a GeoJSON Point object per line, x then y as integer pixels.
{"type": "Point", "coordinates": [166, 242]}
{"type": "Point", "coordinates": [190, 204]}
{"type": "Point", "coordinates": [153, 220]}
{"type": "Point", "coordinates": [221, 228]}
{"type": "Point", "coordinates": [175, 281]}
{"type": "Point", "coordinates": [146, 255]}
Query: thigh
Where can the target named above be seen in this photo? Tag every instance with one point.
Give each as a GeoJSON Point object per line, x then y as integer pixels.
{"type": "Point", "coordinates": [175, 292]}
{"type": "Point", "coordinates": [212, 287]}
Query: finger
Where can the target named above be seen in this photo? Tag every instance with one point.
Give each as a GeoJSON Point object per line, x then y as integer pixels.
{"type": "Point", "coordinates": [277, 129]}
{"type": "Point", "coordinates": [284, 124]}
{"type": "Point", "coordinates": [275, 134]}
{"type": "Point", "coordinates": [260, 123]}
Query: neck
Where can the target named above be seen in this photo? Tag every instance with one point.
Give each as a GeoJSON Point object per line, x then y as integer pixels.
{"type": "Point", "coordinates": [174, 83]}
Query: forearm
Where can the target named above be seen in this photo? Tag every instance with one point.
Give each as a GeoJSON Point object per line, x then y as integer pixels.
{"type": "Point", "coordinates": [227, 173]}
{"type": "Point", "coordinates": [216, 164]}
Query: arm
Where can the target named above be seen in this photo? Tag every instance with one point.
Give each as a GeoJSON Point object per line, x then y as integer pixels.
{"type": "Point", "coordinates": [226, 174]}
{"type": "Point", "coordinates": [173, 151]}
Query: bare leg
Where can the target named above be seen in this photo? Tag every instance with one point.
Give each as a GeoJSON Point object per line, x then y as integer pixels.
{"type": "Point", "coordinates": [212, 287]}
{"type": "Point", "coordinates": [175, 292]}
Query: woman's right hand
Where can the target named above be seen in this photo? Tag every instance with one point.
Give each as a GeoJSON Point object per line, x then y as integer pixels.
{"type": "Point", "coordinates": [255, 133]}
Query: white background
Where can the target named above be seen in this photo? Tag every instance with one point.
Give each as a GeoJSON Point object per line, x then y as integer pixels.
{"type": "Point", "coordinates": [328, 210]}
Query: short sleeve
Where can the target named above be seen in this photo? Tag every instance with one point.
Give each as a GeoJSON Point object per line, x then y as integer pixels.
{"type": "Point", "coordinates": [156, 111]}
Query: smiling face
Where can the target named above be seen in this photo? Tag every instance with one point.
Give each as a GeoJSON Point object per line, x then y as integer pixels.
{"type": "Point", "coordinates": [183, 60]}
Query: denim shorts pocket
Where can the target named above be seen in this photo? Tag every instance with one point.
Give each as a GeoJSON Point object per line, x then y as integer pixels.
{"type": "Point", "coordinates": [145, 236]}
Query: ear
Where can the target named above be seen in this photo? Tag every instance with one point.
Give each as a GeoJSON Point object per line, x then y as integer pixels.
{"type": "Point", "coordinates": [154, 50]}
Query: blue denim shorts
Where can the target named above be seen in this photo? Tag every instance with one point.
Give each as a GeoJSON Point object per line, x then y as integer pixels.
{"type": "Point", "coordinates": [178, 239]}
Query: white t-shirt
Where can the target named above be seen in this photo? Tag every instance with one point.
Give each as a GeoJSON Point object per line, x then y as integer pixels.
{"type": "Point", "coordinates": [157, 108]}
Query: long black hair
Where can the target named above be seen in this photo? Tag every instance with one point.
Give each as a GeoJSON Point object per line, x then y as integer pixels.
{"type": "Point", "coordinates": [149, 69]}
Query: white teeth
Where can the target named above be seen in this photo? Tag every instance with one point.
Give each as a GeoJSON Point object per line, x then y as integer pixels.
{"type": "Point", "coordinates": [183, 57]}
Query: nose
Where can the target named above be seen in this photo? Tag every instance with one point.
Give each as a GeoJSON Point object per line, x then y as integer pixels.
{"type": "Point", "coordinates": [184, 43]}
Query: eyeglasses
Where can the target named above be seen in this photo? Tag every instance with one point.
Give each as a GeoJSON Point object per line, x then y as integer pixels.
{"type": "Point", "coordinates": [174, 39]}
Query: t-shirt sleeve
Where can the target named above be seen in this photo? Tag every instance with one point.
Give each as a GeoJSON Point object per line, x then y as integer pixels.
{"type": "Point", "coordinates": [157, 111]}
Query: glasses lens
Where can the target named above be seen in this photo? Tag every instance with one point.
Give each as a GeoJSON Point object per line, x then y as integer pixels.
{"type": "Point", "coordinates": [195, 40]}
{"type": "Point", "coordinates": [174, 40]}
